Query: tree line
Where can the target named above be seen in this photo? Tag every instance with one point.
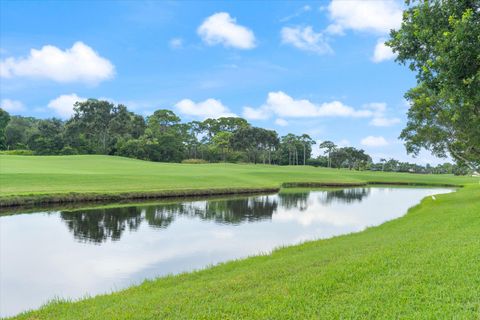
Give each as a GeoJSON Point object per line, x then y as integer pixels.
{"type": "Point", "coordinates": [100, 127]}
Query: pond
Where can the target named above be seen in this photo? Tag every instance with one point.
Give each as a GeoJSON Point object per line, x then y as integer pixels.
{"type": "Point", "coordinates": [71, 254]}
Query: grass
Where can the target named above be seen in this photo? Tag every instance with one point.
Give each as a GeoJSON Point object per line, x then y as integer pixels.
{"type": "Point", "coordinates": [424, 265]}
{"type": "Point", "coordinates": [421, 266]}
{"type": "Point", "coordinates": [39, 179]}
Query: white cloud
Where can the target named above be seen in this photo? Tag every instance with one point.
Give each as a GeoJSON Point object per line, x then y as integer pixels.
{"type": "Point", "coordinates": [220, 28]}
{"type": "Point", "coordinates": [382, 52]}
{"type": "Point", "coordinates": [63, 105]}
{"type": "Point", "coordinates": [12, 106]}
{"type": "Point", "coordinates": [304, 38]}
{"type": "Point", "coordinates": [80, 63]}
{"type": "Point", "coordinates": [176, 43]}
{"type": "Point", "coordinates": [384, 122]}
{"type": "Point", "coordinates": [377, 107]}
{"type": "Point", "coordinates": [379, 118]}
{"type": "Point", "coordinates": [255, 114]}
{"type": "Point", "coordinates": [366, 15]}
{"type": "Point", "coordinates": [280, 104]}
{"type": "Point", "coordinates": [281, 122]}
{"type": "Point", "coordinates": [297, 13]}
{"type": "Point", "coordinates": [374, 141]}
{"type": "Point", "coordinates": [210, 108]}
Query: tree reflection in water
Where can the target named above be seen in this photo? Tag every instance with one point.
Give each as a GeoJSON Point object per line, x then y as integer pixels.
{"type": "Point", "coordinates": [344, 195]}
{"type": "Point", "coordinates": [297, 200]}
{"type": "Point", "coordinates": [100, 225]}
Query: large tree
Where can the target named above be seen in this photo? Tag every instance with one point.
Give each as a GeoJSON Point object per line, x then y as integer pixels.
{"type": "Point", "coordinates": [440, 40]}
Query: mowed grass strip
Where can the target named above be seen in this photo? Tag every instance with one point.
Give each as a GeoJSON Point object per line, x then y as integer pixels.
{"type": "Point", "coordinates": [424, 265]}
{"type": "Point", "coordinates": [44, 175]}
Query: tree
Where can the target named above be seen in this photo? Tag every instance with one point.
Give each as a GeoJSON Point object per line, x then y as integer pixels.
{"type": "Point", "coordinates": [254, 140]}
{"type": "Point", "coordinates": [163, 139]}
{"type": "Point", "coordinates": [383, 161]}
{"type": "Point", "coordinates": [440, 40]}
{"type": "Point", "coordinates": [329, 147]}
{"type": "Point", "coordinates": [4, 119]}
{"type": "Point", "coordinates": [93, 118]}
{"type": "Point", "coordinates": [48, 139]}
{"type": "Point", "coordinates": [222, 141]}
{"type": "Point", "coordinates": [307, 142]}
{"type": "Point", "coordinates": [18, 132]}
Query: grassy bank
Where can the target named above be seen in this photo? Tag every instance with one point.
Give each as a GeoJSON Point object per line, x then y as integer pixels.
{"type": "Point", "coordinates": [421, 266]}
{"type": "Point", "coordinates": [44, 179]}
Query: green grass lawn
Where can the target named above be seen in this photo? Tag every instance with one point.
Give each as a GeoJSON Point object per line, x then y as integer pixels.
{"type": "Point", "coordinates": [44, 175]}
{"type": "Point", "coordinates": [425, 265]}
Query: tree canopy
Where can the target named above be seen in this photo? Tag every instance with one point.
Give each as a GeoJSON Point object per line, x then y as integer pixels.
{"type": "Point", "coordinates": [440, 41]}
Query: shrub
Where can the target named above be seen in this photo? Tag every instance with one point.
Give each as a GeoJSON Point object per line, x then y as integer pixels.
{"type": "Point", "coordinates": [194, 161]}
{"type": "Point", "coordinates": [317, 162]}
{"type": "Point", "coordinates": [68, 151]}
{"type": "Point", "coordinates": [18, 152]}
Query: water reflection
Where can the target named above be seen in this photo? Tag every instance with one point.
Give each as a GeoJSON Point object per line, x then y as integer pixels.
{"type": "Point", "coordinates": [99, 225]}
{"type": "Point", "coordinates": [92, 251]}
{"type": "Point", "coordinates": [344, 195]}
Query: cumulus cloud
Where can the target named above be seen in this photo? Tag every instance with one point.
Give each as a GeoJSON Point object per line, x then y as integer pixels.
{"type": "Point", "coordinates": [380, 119]}
{"type": "Point", "coordinates": [366, 15]}
{"type": "Point", "coordinates": [374, 141]}
{"type": "Point", "coordinates": [281, 122]}
{"type": "Point", "coordinates": [255, 114]}
{"type": "Point", "coordinates": [221, 28]}
{"type": "Point", "coordinates": [304, 38]}
{"type": "Point", "coordinates": [63, 105]}
{"type": "Point", "coordinates": [12, 106]}
{"type": "Point", "coordinates": [210, 108]}
{"type": "Point", "coordinates": [382, 52]}
{"type": "Point", "coordinates": [80, 63]}
{"type": "Point", "coordinates": [372, 16]}
{"type": "Point", "coordinates": [280, 104]}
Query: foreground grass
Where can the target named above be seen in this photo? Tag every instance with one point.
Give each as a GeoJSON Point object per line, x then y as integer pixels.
{"type": "Point", "coordinates": [424, 265]}
{"type": "Point", "coordinates": [44, 177]}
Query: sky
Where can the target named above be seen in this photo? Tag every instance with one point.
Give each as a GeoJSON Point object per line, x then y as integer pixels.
{"type": "Point", "coordinates": [319, 68]}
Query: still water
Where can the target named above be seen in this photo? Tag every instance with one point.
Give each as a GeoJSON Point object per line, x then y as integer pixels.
{"type": "Point", "coordinates": [71, 254]}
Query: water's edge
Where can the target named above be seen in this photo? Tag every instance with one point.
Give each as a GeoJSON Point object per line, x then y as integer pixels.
{"type": "Point", "coordinates": [76, 197]}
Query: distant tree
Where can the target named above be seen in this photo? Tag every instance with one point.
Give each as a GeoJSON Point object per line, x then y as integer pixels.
{"type": "Point", "coordinates": [48, 138]}
{"type": "Point", "coordinates": [383, 161]}
{"type": "Point", "coordinates": [329, 147]}
{"type": "Point", "coordinates": [18, 131]}
{"type": "Point", "coordinates": [307, 143]}
{"type": "Point", "coordinates": [4, 119]}
{"type": "Point", "coordinates": [440, 40]}
{"type": "Point", "coordinates": [222, 141]}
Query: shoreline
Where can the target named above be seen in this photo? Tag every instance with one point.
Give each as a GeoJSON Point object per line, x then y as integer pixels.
{"type": "Point", "coordinates": [13, 201]}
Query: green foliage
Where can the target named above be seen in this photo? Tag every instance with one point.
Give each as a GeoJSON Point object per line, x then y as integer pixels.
{"type": "Point", "coordinates": [194, 161]}
{"type": "Point", "coordinates": [4, 119]}
{"type": "Point", "coordinates": [440, 40]}
{"type": "Point", "coordinates": [17, 152]}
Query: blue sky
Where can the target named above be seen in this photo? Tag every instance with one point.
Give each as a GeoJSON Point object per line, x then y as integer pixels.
{"type": "Point", "coordinates": [313, 67]}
